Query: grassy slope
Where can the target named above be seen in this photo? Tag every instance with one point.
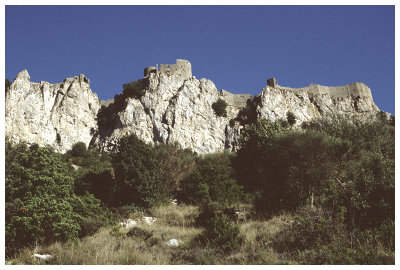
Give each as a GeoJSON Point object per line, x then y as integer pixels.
{"type": "Point", "coordinates": [108, 247]}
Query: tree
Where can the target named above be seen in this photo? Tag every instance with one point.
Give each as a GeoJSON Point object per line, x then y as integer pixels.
{"type": "Point", "coordinates": [296, 166]}
{"type": "Point", "coordinates": [212, 180]}
{"type": "Point", "coordinates": [291, 118]}
{"type": "Point", "coordinates": [219, 107]}
{"type": "Point", "coordinates": [41, 205]}
{"type": "Point", "coordinates": [39, 191]}
{"type": "Point", "coordinates": [137, 174]}
{"type": "Point", "coordinates": [248, 162]}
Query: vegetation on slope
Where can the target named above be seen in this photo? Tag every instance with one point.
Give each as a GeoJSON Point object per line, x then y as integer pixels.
{"type": "Point", "coordinates": [320, 195]}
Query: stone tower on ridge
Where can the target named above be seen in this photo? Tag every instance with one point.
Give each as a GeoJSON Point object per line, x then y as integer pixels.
{"type": "Point", "coordinates": [182, 68]}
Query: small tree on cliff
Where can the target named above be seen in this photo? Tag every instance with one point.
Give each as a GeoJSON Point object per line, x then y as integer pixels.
{"type": "Point", "coordinates": [219, 107]}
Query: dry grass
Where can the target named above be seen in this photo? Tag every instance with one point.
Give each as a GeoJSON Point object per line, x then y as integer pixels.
{"type": "Point", "coordinates": [111, 245]}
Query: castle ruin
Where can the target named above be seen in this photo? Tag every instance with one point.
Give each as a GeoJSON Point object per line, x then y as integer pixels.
{"type": "Point", "coordinates": [182, 68]}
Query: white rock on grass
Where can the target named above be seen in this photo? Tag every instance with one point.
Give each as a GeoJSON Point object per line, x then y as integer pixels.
{"type": "Point", "coordinates": [44, 257]}
{"type": "Point", "coordinates": [174, 242]}
{"type": "Point", "coordinates": [128, 223]}
{"type": "Point", "coordinates": [149, 220]}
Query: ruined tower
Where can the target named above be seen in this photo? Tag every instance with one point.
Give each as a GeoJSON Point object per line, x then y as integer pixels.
{"type": "Point", "coordinates": [182, 68]}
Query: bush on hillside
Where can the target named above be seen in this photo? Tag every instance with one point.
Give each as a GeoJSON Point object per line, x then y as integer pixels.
{"type": "Point", "coordinates": [248, 114]}
{"type": "Point", "coordinates": [291, 118]}
{"type": "Point", "coordinates": [135, 89]}
{"type": "Point", "coordinates": [41, 206]}
{"type": "Point", "coordinates": [97, 181]}
{"type": "Point", "coordinates": [248, 162]}
{"type": "Point", "coordinates": [106, 117]}
{"type": "Point", "coordinates": [221, 232]}
{"type": "Point", "coordinates": [219, 107]}
{"type": "Point", "coordinates": [39, 191]}
{"type": "Point", "coordinates": [295, 167]}
{"type": "Point", "coordinates": [316, 236]}
{"type": "Point", "coordinates": [365, 184]}
{"type": "Point", "coordinates": [212, 180]}
{"type": "Point", "coordinates": [175, 163]}
{"type": "Point", "coordinates": [137, 177]}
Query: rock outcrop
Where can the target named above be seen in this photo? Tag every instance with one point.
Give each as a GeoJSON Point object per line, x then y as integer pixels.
{"type": "Point", "coordinates": [51, 114]}
{"type": "Point", "coordinates": [174, 108]}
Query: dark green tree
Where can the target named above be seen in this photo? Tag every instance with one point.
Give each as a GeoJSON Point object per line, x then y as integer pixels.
{"type": "Point", "coordinates": [39, 191]}
{"type": "Point", "coordinates": [248, 162]}
{"type": "Point", "coordinates": [41, 205]}
{"type": "Point", "coordinates": [137, 174]}
{"type": "Point", "coordinates": [291, 118]}
{"type": "Point", "coordinates": [212, 180]}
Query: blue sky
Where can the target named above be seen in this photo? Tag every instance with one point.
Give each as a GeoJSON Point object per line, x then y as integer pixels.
{"type": "Point", "coordinates": [237, 47]}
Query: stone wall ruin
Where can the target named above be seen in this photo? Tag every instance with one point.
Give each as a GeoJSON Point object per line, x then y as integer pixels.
{"type": "Point", "coordinates": [182, 68]}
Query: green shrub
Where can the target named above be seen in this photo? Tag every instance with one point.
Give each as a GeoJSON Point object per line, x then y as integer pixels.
{"type": "Point", "coordinates": [39, 191]}
{"type": "Point", "coordinates": [316, 236]}
{"type": "Point", "coordinates": [139, 233]}
{"type": "Point", "coordinates": [219, 107]}
{"type": "Point", "coordinates": [58, 138]}
{"type": "Point", "coordinates": [97, 181]}
{"type": "Point", "coordinates": [135, 89]}
{"type": "Point", "coordinates": [291, 118]}
{"type": "Point", "coordinates": [211, 180]}
{"type": "Point", "coordinates": [365, 184]}
{"type": "Point", "coordinates": [221, 232]}
{"type": "Point", "coordinates": [115, 231]}
{"type": "Point", "coordinates": [41, 206]}
{"type": "Point", "coordinates": [310, 229]}
{"type": "Point", "coordinates": [175, 164]}
{"type": "Point", "coordinates": [295, 169]}
{"type": "Point", "coordinates": [106, 117]}
{"type": "Point", "coordinates": [248, 114]}
{"type": "Point", "coordinates": [90, 226]}
{"type": "Point", "coordinates": [79, 149]}
{"type": "Point", "coordinates": [137, 176]}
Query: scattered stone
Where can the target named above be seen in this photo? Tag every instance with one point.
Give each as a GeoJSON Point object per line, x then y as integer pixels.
{"type": "Point", "coordinates": [128, 223]}
{"type": "Point", "coordinates": [44, 257]}
{"type": "Point", "coordinates": [149, 220]}
{"type": "Point", "coordinates": [174, 243]}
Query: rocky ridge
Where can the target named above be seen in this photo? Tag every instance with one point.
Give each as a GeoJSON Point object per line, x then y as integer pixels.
{"type": "Point", "coordinates": [174, 108]}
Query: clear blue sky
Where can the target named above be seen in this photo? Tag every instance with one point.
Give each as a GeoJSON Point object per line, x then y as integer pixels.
{"type": "Point", "coordinates": [237, 47]}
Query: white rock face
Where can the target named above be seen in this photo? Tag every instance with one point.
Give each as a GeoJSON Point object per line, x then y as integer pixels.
{"type": "Point", "coordinates": [351, 102]}
{"type": "Point", "coordinates": [173, 109]}
{"type": "Point", "coordinates": [37, 112]}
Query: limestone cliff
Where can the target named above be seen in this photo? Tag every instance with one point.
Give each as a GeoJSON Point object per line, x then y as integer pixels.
{"type": "Point", "coordinates": [51, 114]}
{"type": "Point", "coordinates": [174, 108]}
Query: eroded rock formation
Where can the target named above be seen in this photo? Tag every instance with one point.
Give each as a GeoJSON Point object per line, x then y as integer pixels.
{"type": "Point", "coordinates": [175, 107]}
{"type": "Point", "coordinates": [51, 114]}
